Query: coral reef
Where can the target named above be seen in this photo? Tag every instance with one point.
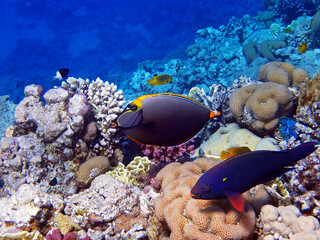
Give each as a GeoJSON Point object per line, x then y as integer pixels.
{"type": "Point", "coordinates": [287, 222]}
{"type": "Point", "coordinates": [6, 113]}
{"type": "Point", "coordinates": [308, 110]}
{"type": "Point", "coordinates": [260, 106]}
{"type": "Point", "coordinates": [198, 219]}
{"type": "Point", "coordinates": [289, 10]}
{"type": "Point", "coordinates": [234, 136]}
{"type": "Point", "coordinates": [134, 172]}
{"type": "Point", "coordinates": [110, 208]}
{"type": "Point", "coordinates": [105, 103]}
{"type": "Point", "coordinates": [283, 73]}
{"type": "Point", "coordinates": [90, 169]}
{"type": "Point", "coordinates": [29, 209]}
{"type": "Point", "coordinates": [302, 183]}
{"type": "Point", "coordinates": [168, 154]}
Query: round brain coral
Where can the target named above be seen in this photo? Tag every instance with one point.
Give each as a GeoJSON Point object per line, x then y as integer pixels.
{"type": "Point", "coordinates": [90, 169]}
{"type": "Point", "coordinates": [283, 73]}
{"type": "Point", "coordinates": [190, 218]}
{"type": "Point", "coordinates": [261, 109]}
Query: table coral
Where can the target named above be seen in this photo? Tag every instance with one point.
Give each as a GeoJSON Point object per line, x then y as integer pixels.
{"type": "Point", "coordinates": [198, 219]}
{"type": "Point", "coordinates": [260, 106]}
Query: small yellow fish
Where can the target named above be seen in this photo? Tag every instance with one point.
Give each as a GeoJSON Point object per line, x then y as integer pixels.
{"type": "Point", "coordinates": [160, 80]}
{"type": "Point", "coordinates": [303, 47]}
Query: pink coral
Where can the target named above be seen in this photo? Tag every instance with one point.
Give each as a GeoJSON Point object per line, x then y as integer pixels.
{"type": "Point", "coordinates": [57, 235]}
{"type": "Point", "coordinates": [168, 154]}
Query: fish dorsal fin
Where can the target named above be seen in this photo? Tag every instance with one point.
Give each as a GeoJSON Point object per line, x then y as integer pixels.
{"type": "Point", "coordinates": [236, 200]}
{"type": "Point", "coordinates": [233, 151]}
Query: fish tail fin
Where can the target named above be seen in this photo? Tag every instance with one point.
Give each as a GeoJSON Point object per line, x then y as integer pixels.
{"type": "Point", "coordinates": [302, 151]}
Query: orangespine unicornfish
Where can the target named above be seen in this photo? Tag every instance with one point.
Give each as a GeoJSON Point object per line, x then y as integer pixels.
{"type": "Point", "coordinates": [239, 173]}
{"type": "Point", "coordinates": [164, 119]}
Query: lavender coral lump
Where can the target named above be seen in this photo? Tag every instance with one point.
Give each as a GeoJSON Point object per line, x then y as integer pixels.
{"type": "Point", "coordinates": [68, 166]}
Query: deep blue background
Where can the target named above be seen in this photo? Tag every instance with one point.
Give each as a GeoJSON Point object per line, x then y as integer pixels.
{"type": "Point", "coordinates": [98, 38]}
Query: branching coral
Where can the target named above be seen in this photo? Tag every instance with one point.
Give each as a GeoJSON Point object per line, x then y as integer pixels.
{"type": "Point", "coordinates": [198, 219]}
{"type": "Point", "coordinates": [168, 154]}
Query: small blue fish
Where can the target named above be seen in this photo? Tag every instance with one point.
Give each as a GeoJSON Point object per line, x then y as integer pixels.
{"type": "Point", "coordinates": [241, 172]}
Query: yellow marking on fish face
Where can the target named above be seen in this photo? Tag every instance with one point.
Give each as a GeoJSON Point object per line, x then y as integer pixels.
{"type": "Point", "coordinates": [224, 179]}
{"type": "Point", "coordinates": [138, 101]}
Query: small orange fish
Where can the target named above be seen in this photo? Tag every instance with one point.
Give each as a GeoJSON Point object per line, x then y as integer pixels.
{"type": "Point", "coordinates": [303, 47]}
{"type": "Point", "coordinates": [160, 80]}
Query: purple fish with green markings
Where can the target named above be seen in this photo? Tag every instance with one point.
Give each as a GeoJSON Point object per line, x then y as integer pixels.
{"type": "Point", "coordinates": [230, 178]}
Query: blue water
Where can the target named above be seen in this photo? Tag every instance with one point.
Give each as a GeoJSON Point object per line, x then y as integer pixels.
{"type": "Point", "coordinates": [99, 38]}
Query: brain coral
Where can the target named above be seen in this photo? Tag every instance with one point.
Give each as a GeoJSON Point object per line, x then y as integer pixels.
{"type": "Point", "coordinates": [260, 106]}
{"type": "Point", "coordinates": [92, 168]}
{"type": "Point", "coordinates": [283, 73]}
{"type": "Point", "coordinates": [198, 219]}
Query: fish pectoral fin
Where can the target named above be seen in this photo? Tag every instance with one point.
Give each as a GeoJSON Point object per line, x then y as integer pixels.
{"type": "Point", "coordinates": [236, 200]}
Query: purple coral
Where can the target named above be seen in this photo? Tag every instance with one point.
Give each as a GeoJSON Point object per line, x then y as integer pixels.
{"type": "Point", "coordinates": [159, 154]}
{"type": "Point", "coordinates": [57, 235]}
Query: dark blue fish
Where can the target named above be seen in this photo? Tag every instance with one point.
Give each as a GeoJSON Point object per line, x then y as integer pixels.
{"type": "Point", "coordinates": [241, 172]}
{"type": "Point", "coordinates": [164, 119]}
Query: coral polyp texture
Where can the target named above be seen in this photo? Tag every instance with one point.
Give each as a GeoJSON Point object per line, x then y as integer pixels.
{"type": "Point", "coordinates": [260, 106]}
{"type": "Point", "coordinates": [308, 110]}
{"type": "Point", "coordinates": [169, 154]}
{"type": "Point", "coordinates": [91, 168]}
{"type": "Point", "coordinates": [287, 222]}
{"type": "Point", "coordinates": [283, 73]}
{"type": "Point", "coordinates": [189, 218]}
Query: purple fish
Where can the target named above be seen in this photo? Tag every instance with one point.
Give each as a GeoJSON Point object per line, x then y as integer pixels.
{"type": "Point", "coordinates": [241, 172]}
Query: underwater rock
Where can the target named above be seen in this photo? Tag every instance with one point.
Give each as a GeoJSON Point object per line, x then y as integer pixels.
{"type": "Point", "coordinates": [110, 207]}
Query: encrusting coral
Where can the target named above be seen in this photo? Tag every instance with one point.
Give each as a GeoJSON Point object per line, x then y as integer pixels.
{"type": "Point", "coordinates": [198, 219]}
{"type": "Point", "coordinates": [260, 106]}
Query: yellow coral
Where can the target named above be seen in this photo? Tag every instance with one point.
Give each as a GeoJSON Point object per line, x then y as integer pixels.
{"type": "Point", "coordinates": [136, 169]}
{"type": "Point", "coordinates": [265, 105]}
{"type": "Point", "coordinates": [198, 219]}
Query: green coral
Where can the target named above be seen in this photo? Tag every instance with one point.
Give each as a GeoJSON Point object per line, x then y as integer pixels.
{"type": "Point", "coordinates": [133, 172]}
